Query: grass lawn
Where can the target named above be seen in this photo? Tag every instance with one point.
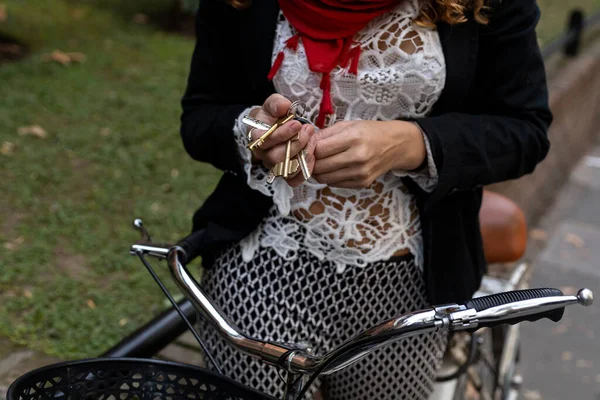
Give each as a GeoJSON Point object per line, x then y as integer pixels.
{"type": "Point", "coordinates": [112, 153]}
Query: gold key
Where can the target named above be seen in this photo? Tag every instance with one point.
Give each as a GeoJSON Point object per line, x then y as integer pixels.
{"type": "Point", "coordinates": [259, 142]}
{"type": "Point", "coordinates": [279, 169]}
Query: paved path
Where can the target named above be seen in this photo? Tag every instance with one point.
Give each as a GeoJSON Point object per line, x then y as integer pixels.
{"type": "Point", "coordinates": [562, 361]}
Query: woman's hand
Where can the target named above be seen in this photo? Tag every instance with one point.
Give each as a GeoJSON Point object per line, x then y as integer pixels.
{"type": "Point", "coordinates": [352, 154]}
{"type": "Point", "coordinates": [272, 152]}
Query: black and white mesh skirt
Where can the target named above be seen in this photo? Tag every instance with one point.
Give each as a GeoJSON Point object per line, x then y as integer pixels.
{"type": "Point", "coordinates": [305, 300]}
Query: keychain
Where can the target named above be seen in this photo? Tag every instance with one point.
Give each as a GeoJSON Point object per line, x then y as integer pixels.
{"type": "Point", "coordinates": [288, 167]}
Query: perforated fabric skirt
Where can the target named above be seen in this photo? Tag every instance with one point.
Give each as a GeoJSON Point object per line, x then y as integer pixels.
{"type": "Point", "coordinates": [306, 300]}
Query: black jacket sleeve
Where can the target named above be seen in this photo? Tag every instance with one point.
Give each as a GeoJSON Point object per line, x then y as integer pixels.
{"type": "Point", "coordinates": [211, 102]}
{"type": "Point", "coordinates": [504, 135]}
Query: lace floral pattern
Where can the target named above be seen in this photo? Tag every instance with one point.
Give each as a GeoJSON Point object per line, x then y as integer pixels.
{"type": "Point", "coordinates": [401, 74]}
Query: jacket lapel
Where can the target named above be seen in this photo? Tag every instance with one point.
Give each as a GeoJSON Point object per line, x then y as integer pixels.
{"type": "Point", "coordinates": [459, 44]}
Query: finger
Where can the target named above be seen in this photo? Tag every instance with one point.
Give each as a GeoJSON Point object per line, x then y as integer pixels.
{"type": "Point", "coordinates": [332, 145]}
{"type": "Point", "coordinates": [260, 156]}
{"type": "Point", "coordinates": [312, 144]}
{"type": "Point", "coordinates": [264, 116]}
{"type": "Point", "coordinates": [306, 132]}
{"type": "Point", "coordinates": [256, 133]}
{"type": "Point", "coordinates": [277, 105]}
{"type": "Point", "coordinates": [266, 162]}
{"type": "Point", "coordinates": [332, 130]}
{"type": "Point", "coordinates": [277, 153]}
{"type": "Point", "coordinates": [282, 134]}
{"type": "Point", "coordinates": [340, 175]}
{"type": "Point", "coordinates": [335, 162]}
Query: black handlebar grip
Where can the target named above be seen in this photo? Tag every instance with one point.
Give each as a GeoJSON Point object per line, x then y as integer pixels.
{"type": "Point", "coordinates": [494, 300]}
{"type": "Point", "coordinates": [192, 245]}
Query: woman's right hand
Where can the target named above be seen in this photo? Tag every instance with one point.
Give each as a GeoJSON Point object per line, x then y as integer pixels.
{"type": "Point", "coordinates": [272, 152]}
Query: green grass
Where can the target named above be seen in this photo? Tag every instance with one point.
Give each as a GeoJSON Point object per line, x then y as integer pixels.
{"type": "Point", "coordinates": [67, 284]}
{"type": "Point", "coordinates": [72, 196]}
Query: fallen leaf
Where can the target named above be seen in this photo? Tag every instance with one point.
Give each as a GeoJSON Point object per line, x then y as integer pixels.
{"type": "Point", "coordinates": [567, 356]}
{"type": "Point", "coordinates": [105, 131]}
{"type": "Point", "coordinates": [174, 173]}
{"type": "Point", "coordinates": [3, 13]}
{"type": "Point", "coordinates": [33, 130]}
{"type": "Point", "coordinates": [538, 234]}
{"type": "Point", "coordinates": [57, 56]}
{"type": "Point", "coordinates": [123, 321]}
{"type": "Point", "coordinates": [559, 329]}
{"type": "Point", "coordinates": [140, 18]}
{"type": "Point", "coordinates": [575, 240]}
{"type": "Point", "coordinates": [7, 148]}
{"type": "Point", "coordinates": [78, 13]}
{"type": "Point", "coordinates": [532, 395]}
{"type": "Point", "coordinates": [15, 243]}
{"type": "Point", "coordinates": [90, 303]}
{"type": "Point", "coordinates": [155, 207]}
{"type": "Point", "coordinates": [27, 293]}
{"type": "Point", "coordinates": [77, 57]}
{"type": "Point", "coordinates": [64, 58]}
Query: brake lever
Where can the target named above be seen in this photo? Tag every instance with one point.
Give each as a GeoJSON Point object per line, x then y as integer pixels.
{"type": "Point", "coordinates": [139, 225]}
{"type": "Point", "coordinates": [145, 245]}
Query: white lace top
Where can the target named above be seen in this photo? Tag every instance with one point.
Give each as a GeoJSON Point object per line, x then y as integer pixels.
{"type": "Point", "coordinates": [401, 74]}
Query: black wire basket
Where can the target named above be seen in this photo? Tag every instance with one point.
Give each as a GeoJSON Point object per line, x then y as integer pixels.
{"type": "Point", "coordinates": [125, 379]}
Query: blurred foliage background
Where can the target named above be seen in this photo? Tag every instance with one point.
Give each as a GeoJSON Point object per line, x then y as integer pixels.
{"type": "Point", "coordinates": [89, 118]}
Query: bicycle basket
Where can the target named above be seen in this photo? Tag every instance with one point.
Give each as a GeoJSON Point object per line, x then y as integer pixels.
{"type": "Point", "coordinates": [127, 378]}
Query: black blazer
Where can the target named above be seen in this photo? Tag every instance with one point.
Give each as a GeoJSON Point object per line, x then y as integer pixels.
{"type": "Point", "coordinates": [489, 125]}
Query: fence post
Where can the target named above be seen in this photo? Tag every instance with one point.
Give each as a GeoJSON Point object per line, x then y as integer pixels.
{"type": "Point", "coordinates": [574, 30]}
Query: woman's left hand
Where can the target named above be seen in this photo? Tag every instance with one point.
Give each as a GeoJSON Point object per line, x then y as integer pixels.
{"type": "Point", "coordinates": [352, 154]}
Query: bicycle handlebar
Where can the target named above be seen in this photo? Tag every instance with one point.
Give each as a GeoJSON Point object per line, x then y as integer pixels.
{"type": "Point", "coordinates": [489, 311]}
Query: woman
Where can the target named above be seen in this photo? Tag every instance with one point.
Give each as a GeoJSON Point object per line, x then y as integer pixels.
{"type": "Point", "coordinates": [421, 103]}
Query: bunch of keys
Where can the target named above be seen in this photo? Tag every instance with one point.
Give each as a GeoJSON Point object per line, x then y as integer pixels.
{"type": "Point", "coordinates": [288, 167]}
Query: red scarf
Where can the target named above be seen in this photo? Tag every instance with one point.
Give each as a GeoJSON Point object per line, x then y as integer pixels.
{"type": "Point", "coordinates": [327, 28]}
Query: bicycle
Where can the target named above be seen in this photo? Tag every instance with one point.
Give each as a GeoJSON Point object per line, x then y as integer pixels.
{"type": "Point", "coordinates": [129, 378]}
